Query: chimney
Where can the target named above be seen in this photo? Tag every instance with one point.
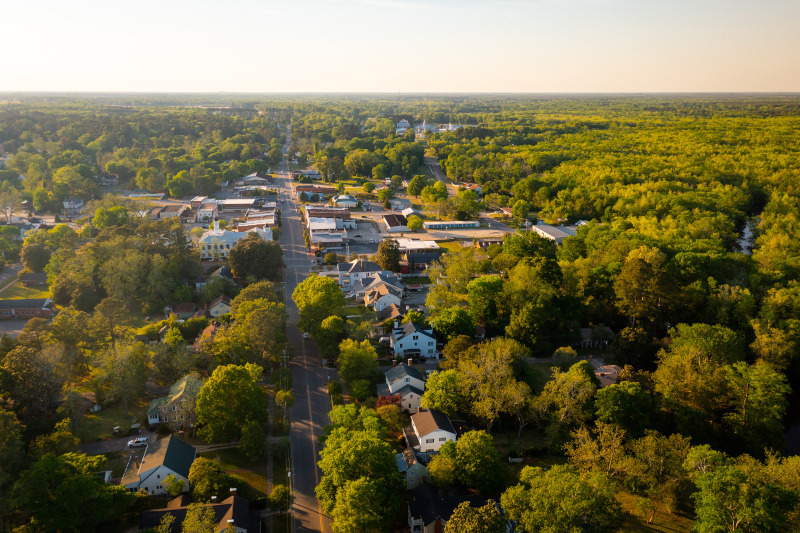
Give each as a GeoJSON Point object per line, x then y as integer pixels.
{"type": "Point", "coordinates": [213, 499]}
{"type": "Point", "coordinates": [180, 435]}
{"type": "Point", "coordinates": [136, 458]}
{"type": "Point", "coordinates": [233, 491]}
{"type": "Point", "coordinates": [230, 522]}
{"type": "Point", "coordinates": [410, 362]}
{"type": "Point", "coordinates": [394, 362]}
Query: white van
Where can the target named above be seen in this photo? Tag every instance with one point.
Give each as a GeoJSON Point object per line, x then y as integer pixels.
{"type": "Point", "coordinates": [138, 441]}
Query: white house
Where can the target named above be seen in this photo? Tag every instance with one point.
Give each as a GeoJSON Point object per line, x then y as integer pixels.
{"type": "Point", "coordinates": [402, 126]}
{"type": "Point", "coordinates": [361, 286]}
{"type": "Point", "coordinates": [207, 210]}
{"type": "Point", "coordinates": [356, 270]}
{"type": "Point", "coordinates": [395, 223]}
{"type": "Point", "coordinates": [429, 430]}
{"type": "Point", "coordinates": [344, 200]}
{"type": "Point", "coordinates": [216, 244]}
{"type": "Point", "coordinates": [425, 127]}
{"type": "Point", "coordinates": [381, 296]}
{"type": "Point", "coordinates": [412, 339]}
{"type": "Point", "coordinates": [73, 206]}
{"type": "Point", "coordinates": [219, 307]}
{"type": "Point", "coordinates": [406, 381]}
{"type": "Point", "coordinates": [169, 456]}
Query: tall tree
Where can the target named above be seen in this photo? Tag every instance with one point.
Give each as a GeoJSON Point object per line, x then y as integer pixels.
{"type": "Point", "coordinates": [388, 256]}
{"type": "Point", "coordinates": [256, 259]}
{"type": "Point", "coordinates": [229, 399]}
{"type": "Point", "coordinates": [468, 519]}
{"type": "Point", "coordinates": [561, 500]}
{"type": "Point", "coordinates": [317, 298]}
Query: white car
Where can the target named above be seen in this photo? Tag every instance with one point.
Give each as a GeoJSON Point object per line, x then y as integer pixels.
{"type": "Point", "coordinates": [138, 441]}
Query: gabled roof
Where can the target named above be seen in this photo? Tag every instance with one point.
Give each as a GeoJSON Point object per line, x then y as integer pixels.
{"type": "Point", "coordinates": [394, 221]}
{"type": "Point", "coordinates": [426, 421]}
{"type": "Point", "coordinates": [221, 300]}
{"type": "Point", "coordinates": [187, 307]}
{"type": "Point", "coordinates": [171, 452]}
{"type": "Point", "coordinates": [188, 385]}
{"type": "Point", "coordinates": [34, 276]}
{"type": "Point", "coordinates": [359, 265]}
{"type": "Point", "coordinates": [402, 391]}
{"type": "Point", "coordinates": [402, 371]}
{"type": "Point", "coordinates": [232, 508]}
{"type": "Point", "coordinates": [429, 506]}
{"type": "Point", "coordinates": [379, 291]}
{"type": "Point", "coordinates": [412, 327]}
{"type": "Point", "coordinates": [25, 303]}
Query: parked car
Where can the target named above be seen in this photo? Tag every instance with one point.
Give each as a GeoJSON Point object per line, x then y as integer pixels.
{"type": "Point", "coordinates": [138, 441]}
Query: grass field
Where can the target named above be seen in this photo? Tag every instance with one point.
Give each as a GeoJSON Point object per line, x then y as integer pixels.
{"type": "Point", "coordinates": [100, 426]}
{"type": "Point", "coordinates": [450, 246]}
{"type": "Point", "coordinates": [18, 291]}
{"type": "Point", "coordinates": [234, 461]}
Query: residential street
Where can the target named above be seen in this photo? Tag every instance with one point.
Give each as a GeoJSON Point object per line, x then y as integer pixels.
{"type": "Point", "coordinates": [309, 414]}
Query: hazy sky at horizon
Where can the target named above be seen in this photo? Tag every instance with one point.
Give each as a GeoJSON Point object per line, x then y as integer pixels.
{"type": "Point", "coordinates": [402, 46]}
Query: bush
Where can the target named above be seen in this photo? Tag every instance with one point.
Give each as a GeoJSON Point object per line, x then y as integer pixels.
{"type": "Point", "coordinates": [335, 387]}
{"type": "Point", "coordinates": [163, 429]}
{"type": "Point", "coordinates": [361, 389]}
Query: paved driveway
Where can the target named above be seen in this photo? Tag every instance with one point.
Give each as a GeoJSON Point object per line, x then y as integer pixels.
{"type": "Point", "coordinates": [115, 445]}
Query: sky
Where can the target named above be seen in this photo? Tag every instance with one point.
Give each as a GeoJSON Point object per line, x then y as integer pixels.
{"type": "Point", "coordinates": [401, 46]}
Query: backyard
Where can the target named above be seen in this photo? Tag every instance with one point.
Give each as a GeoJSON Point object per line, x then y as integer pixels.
{"type": "Point", "coordinates": [18, 291]}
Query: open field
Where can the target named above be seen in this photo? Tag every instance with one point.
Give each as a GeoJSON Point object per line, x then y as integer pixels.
{"type": "Point", "coordinates": [18, 291]}
{"type": "Point", "coordinates": [100, 425]}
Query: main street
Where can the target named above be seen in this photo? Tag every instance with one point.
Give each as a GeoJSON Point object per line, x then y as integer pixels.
{"type": "Point", "coordinates": [310, 412]}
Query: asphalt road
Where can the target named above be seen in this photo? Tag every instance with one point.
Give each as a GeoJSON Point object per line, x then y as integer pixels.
{"type": "Point", "coordinates": [309, 414]}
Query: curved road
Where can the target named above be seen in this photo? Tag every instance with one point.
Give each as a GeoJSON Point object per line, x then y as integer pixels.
{"type": "Point", "coordinates": [309, 415]}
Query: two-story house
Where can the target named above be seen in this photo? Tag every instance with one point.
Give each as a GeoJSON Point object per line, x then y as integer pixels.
{"type": "Point", "coordinates": [406, 381]}
{"type": "Point", "coordinates": [429, 430]}
{"type": "Point", "coordinates": [177, 408]}
{"type": "Point", "coordinates": [412, 339]}
{"type": "Point", "coordinates": [162, 458]}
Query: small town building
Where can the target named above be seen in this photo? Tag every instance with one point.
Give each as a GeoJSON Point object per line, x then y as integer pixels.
{"type": "Point", "coordinates": [184, 311]}
{"type": "Point", "coordinates": [412, 471]}
{"type": "Point", "coordinates": [348, 274]}
{"type": "Point", "coordinates": [344, 200]}
{"type": "Point", "coordinates": [405, 380]}
{"type": "Point", "coordinates": [26, 308]}
{"type": "Point", "coordinates": [381, 296]}
{"type": "Point", "coordinates": [554, 233]}
{"type": "Point", "coordinates": [395, 223]}
{"type": "Point", "coordinates": [314, 191]}
{"type": "Point", "coordinates": [230, 515]}
{"type": "Point", "coordinates": [429, 512]}
{"type": "Point", "coordinates": [220, 306]}
{"type": "Point", "coordinates": [216, 244]}
{"type": "Point", "coordinates": [451, 224]}
{"type": "Point", "coordinates": [72, 206]}
{"type": "Point", "coordinates": [429, 430]}
{"type": "Point", "coordinates": [33, 279]}
{"type": "Point", "coordinates": [402, 126]}
{"type": "Point", "coordinates": [177, 408]}
{"type": "Point", "coordinates": [398, 204]}
{"type": "Point", "coordinates": [413, 340]}
{"type": "Point", "coordinates": [162, 458]}
{"type": "Point", "coordinates": [207, 211]}
{"type": "Point", "coordinates": [236, 205]}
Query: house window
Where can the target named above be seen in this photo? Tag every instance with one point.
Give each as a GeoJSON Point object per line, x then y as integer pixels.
{"type": "Point", "coordinates": [173, 407]}
{"type": "Point", "coordinates": [407, 380]}
{"type": "Point", "coordinates": [428, 441]}
{"type": "Point", "coordinates": [442, 439]}
{"type": "Point", "coordinates": [430, 343]}
{"type": "Point", "coordinates": [415, 337]}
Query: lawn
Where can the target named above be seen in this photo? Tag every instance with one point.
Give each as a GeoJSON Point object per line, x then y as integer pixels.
{"type": "Point", "coordinates": [663, 521]}
{"type": "Point", "coordinates": [537, 374]}
{"type": "Point", "coordinates": [18, 291]}
{"type": "Point", "coordinates": [234, 461]}
{"type": "Point", "coordinates": [100, 425]}
{"type": "Point", "coordinates": [450, 246]}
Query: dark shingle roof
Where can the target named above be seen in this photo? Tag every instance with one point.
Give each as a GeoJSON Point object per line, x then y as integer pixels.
{"type": "Point", "coordinates": [24, 303]}
{"type": "Point", "coordinates": [171, 452]}
{"type": "Point", "coordinates": [427, 421]}
{"type": "Point", "coordinates": [395, 220]}
{"type": "Point", "coordinates": [233, 507]}
{"type": "Point", "coordinates": [35, 276]}
{"type": "Point", "coordinates": [429, 506]}
{"type": "Point", "coordinates": [402, 371]}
